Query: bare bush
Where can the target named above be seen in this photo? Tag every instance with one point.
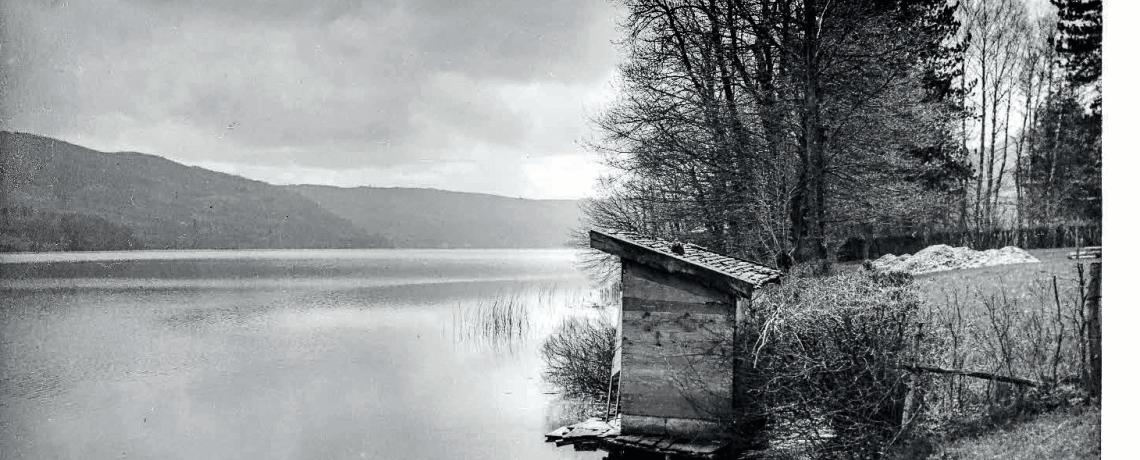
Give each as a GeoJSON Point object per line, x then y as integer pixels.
{"type": "Point", "coordinates": [826, 354]}
{"type": "Point", "coordinates": [1038, 333]}
{"type": "Point", "coordinates": [579, 355]}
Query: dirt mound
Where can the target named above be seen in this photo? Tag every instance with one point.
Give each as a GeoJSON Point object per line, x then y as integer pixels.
{"type": "Point", "coordinates": [941, 257]}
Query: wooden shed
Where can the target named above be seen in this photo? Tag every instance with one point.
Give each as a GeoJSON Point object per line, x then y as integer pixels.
{"type": "Point", "coordinates": [679, 315]}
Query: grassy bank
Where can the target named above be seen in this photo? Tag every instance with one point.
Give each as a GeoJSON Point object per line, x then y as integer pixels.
{"type": "Point", "coordinates": [1017, 280]}
{"type": "Point", "coordinates": [1072, 434]}
{"type": "Point", "coordinates": [1023, 320]}
{"type": "Point", "coordinates": [835, 364]}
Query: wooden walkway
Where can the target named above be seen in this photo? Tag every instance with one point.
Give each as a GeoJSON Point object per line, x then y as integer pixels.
{"type": "Point", "coordinates": [595, 433]}
{"type": "Point", "coordinates": [670, 446]}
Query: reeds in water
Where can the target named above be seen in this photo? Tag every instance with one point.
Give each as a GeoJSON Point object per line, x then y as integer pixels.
{"type": "Point", "coordinates": [511, 319]}
{"type": "Point", "coordinates": [502, 322]}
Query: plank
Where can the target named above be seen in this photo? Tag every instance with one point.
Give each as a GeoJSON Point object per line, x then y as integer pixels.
{"type": "Point", "coordinates": [705, 448]}
{"type": "Point", "coordinates": [670, 445]}
{"type": "Point", "coordinates": [642, 425]}
{"type": "Point", "coordinates": [558, 433]}
{"type": "Point", "coordinates": [694, 428]}
{"type": "Point", "coordinates": [649, 327]}
{"type": "Point", "coordinates": [679, 367]}
{"type": "Point", "coordinates": [633, 439]}
{"type": "Point", "coordinates": [650, 396]}
{"type": "Point", "coordinates": [590, 428]}
{"type": "Point", "coordinates": [637, 304]}
{"type": "Point", "coordinates": [645, 282]}
{"type": "Point", "coordinates": [664, 443]}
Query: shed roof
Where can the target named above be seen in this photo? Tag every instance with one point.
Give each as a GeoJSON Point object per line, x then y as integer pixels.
{"type": "Point", "coordinates": [716, 269]}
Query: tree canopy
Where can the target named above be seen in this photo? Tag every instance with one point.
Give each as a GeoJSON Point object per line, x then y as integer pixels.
{"type": "Point", "coordinates": [776, 128]}
{"type": "Point", "coordinates": [768, 127]}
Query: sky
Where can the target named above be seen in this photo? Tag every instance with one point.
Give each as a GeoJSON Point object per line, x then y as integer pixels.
{"type": "Point", "coordinates": [483, 96]}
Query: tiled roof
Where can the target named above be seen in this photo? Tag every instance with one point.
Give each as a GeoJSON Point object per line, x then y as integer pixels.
{"type": "Point", "coordinates": [749, 272]}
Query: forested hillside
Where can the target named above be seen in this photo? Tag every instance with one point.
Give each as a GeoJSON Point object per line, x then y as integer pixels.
{"type": "Point", "coordinates": [60, 196]}
{"type": "Point", "coordinates": [414, 217]}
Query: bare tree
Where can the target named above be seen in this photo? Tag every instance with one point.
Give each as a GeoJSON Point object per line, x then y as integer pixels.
{"type": "Point", "coordinates": [1034, 84]}
{"type": "Point", "coordinates": [767, 127]}
{"type": "Point", "coordinates": [998, 40]}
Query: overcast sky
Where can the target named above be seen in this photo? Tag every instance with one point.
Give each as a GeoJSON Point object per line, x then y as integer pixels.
{"type": "Point", "coordinates": [488, 96]}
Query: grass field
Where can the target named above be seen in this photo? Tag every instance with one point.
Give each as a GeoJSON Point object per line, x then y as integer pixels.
{"type": "Point", "coordinates": [1063, 435]}
{"type": "Point", "coordinates": [1009, 320]}
{"type": "Point", "coordinates": [1016, 280]}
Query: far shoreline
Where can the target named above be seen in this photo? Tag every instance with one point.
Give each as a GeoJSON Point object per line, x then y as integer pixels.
{"type": "Point", "coordinates": [253, 253]}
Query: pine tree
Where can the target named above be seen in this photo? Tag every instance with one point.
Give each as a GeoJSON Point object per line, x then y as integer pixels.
{"type": "Point", "coordinates": [1080, 26]}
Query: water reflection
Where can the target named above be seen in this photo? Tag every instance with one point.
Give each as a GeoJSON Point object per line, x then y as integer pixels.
{"type": "Point", "coordinates": [281, 356]}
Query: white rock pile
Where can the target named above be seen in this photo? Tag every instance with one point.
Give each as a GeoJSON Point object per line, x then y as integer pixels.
{"type": "Point", "coordinates": [941, 257]}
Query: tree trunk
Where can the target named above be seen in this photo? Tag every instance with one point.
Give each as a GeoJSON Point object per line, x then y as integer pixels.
{"type": "Point", "coordinates": [982, 62]}
{"type": "Point", "coordinates": [1094, 329]}
{"type": "Point", "coordinates": [815, 211]}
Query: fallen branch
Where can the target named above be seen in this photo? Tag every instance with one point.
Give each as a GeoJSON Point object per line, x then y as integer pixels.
{"type": "Point", "coordinates": [981, 375]}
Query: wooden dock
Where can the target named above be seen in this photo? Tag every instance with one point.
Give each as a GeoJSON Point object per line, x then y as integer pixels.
{"type": "Point", "coordinates": [582, 434]}
{"type": "Point", "coordinates": [668, 446]}
{"type": "Point", "coordinates": [594, 434]}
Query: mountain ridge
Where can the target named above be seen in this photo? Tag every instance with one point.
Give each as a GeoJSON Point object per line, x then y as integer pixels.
{"type": "Point", "coordinates": [56, 195]}
{"type": "Point", "coordinates": [454, 219]}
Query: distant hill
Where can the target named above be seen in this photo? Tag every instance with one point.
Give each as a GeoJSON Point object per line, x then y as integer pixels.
{"type": "Point", "coordinates": [416, 217]}
{"type": "Point", "coordinates": [60, 196]}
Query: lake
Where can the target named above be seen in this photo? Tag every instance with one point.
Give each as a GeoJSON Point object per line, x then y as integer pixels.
{"type": "Point", "coordinates": [294, 354]}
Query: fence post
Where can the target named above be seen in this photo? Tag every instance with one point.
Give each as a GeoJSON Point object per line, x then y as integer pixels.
{"type": "Point", "coordinates": [1093, 328]}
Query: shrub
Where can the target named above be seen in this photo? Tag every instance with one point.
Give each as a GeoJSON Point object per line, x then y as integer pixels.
{"type": "Point", "coordinates": [579, 355]}
{"type": "Point", "coordinates": [1033, 328]}
{"type": "Point", "coordinates": [825, 353]}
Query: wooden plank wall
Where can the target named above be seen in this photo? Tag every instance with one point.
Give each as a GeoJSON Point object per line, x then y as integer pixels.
{"type": "Point", "coordinates": [676, 347]}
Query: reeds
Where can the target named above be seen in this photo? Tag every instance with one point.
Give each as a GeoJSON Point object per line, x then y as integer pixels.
{"type": "Point", "coordinates": [502, 322]}
{"type": "Point", "coordinates": [511, 319]}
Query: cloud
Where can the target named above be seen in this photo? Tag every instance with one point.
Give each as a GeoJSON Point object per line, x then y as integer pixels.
{"type": "Point", "coordinates": [330, 85]}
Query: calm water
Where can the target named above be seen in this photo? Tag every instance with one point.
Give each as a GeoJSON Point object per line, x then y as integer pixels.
{"type": "Point", "coordinates": [279, 354]}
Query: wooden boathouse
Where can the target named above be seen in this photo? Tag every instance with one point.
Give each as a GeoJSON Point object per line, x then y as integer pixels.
{"type": "Point", "coordinates": [680, 308]}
